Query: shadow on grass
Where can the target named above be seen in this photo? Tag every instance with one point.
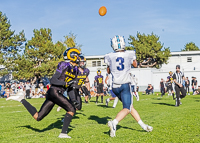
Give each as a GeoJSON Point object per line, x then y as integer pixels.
{"type": "Point", "coordinates": [119, 126]}
{"type": "Point", "coordinates": [197, 100]}
{"type": "Point", "coordinates": [58, 124]}
{"type": "Point", "coordinates": [167, 104]}
{"type": "Point", "coordinates": [104, 106]}
{"type": "Point", "coordinates": [103, 120]}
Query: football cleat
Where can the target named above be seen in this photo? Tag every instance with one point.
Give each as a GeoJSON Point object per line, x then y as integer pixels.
{"type": "Point", "coordinates": [18, 97]}
{"type": "Point", "coordinates": [59, 108]}
{"type": "Point", "coordinates": [148, 128]}
{"type": "Point", "coordinates": [62, 135]}
{"type": "Point", "coordinates": [106, 102]}
{"type": "Point", "coordinates": [112, 129]}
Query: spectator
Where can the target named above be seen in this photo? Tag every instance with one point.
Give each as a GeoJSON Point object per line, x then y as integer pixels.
{"type": "Point", "coordinates": [187, 86]}
{"type": "Point", "coordinates": [0, 86]}
{"type": "Point", "coordinates": [2, 90]}
{"type": "Point", "coordinates": [162, 87]}
{"type": "Point", "coordinates": [33, 89]}
{"type": "Point", "coordinates": [27, 87]}
{"type": "Point", "coordinates": [194, 84]}
{"type": "Point", "coordinates": [197, 91]}
{"type": "Point", "coordinates": [149, 89]}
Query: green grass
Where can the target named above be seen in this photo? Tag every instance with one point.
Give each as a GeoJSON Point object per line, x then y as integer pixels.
{"type": "Point", "coordinates": [171, 124]}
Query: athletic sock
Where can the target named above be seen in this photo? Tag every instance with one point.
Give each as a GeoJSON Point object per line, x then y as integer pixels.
{"type": "Point", "coordinates": [108, 100]}
{"type": "Point", "coordinates": [101, 99]}
{"type": "Point", "coordinates": [115, 102]}
{"type": "Point", "coordinates": [97, 98]}
{"type": "Point", "coordinates": [32, 110]}
{"type": "Point", "coordinates": [115, 122]}
{"type": "Point", "coordinates": [66, 123]}
{"type": "Point", "coordinates": [143, 125]}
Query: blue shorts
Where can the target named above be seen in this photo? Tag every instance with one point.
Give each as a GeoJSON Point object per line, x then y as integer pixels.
{"type": "Point", "coordinates": [133, 88]}
{"type": "Point", "coordinates": [124, 95]}
{"type": "Point", "coordinates": [112, 94]}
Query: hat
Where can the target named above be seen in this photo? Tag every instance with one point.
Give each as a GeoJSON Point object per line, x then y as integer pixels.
{"type": "Point", "coordinates": [178, 66]}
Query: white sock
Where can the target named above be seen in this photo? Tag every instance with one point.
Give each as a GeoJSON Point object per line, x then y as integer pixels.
{"type": "Point", "coordinates": [115, 102]}
{"type": "Point", "coordinates": [143, 125]}
{"type": "Point", "coordinates": [115, 122]}
{"type": "Point", "coordinates": [108, 99]}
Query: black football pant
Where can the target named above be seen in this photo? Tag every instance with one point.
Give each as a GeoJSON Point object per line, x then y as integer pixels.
{"type": "Point", "coordinates": [183, 94]}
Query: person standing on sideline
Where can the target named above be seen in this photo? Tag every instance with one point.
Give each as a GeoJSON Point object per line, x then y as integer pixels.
{"type": "Point", "coordinates": [162, 87]}
{"type": "Point", "coordinates": [194, 84]}
{"type": "Point", "coordinates": [119, 65]}
{"type": "Point", "coordinates": [187, 86]}
{"type": "Point", "coordinates": [134, 82]}
{"type": "Point", "coordinates": [178, 77]}
{"type": "Point", "coordinates": [108, 81]}
{"type": "Point", "coordinates": [27, 87]}
{"type": "Point", "coordinates": [99, 83]}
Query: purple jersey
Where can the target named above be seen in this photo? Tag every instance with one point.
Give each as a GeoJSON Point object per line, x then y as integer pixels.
{"type": "Point", "coordinates": [99, 79]}
{"type": "Point", "coordinates": [81, 77]}
{"type": "Point", "coordinates": [66, 73]}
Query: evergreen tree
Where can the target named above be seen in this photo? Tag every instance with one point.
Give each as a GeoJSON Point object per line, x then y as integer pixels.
{"type": "Point", "coordinates": [190, 47]}
{"type": "Point", "coordinates": [10, 44]}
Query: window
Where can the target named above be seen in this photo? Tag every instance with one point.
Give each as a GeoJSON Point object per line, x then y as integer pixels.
{"type": "Point", "coordinates": [189, 59]}
{"type": "Point", "coordinates": [96, 63]}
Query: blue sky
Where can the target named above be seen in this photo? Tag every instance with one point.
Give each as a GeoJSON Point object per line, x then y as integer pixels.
{"type": "Point", "coordinates": [175, 22]}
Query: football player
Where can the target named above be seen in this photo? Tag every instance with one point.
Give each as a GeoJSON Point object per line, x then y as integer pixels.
{"type": "Point", "coordinates": [108, 81]}
{"type": "Point", "coordinates": [99, 84]}
{"type": "Point", "coordinates": [170, 84]}
{"type": "Point", "coordinates": [62, 79]}
{"type": "Point", "coordinates": [119, 65]}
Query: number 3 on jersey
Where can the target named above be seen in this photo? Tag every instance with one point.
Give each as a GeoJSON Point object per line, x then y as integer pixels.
{"type": "Point", "coordinates": [121, 65]}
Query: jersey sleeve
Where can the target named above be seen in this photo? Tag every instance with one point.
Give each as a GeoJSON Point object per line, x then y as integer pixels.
{"type": "Point", "coordinates": [88, 72]}
{"type": "Point", "coordinates": [107, 60]}
{"type": "Point", "coordinates": [174, 76]}
{"type": "Point", "coordinates": [61, 66]}
{"type": "Point", "coordinates": [132, 55]}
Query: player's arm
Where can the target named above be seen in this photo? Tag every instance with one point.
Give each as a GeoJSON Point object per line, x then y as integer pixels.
{"type": "Point", "coordinates": [134, 63]}
{"type": "Point", "coordinates": [108, 69]}
{"type": "Point", "coordinates": [106, 80]}
{"type": "Point", "coordinates": [87, 83]}
{"type": "Point", "coordinates": [55, 79]}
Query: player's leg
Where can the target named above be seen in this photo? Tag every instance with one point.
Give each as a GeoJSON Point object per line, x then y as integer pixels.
{"type": "Point", "coordinates": [86, 92]}
{"type": "Point", "coordinates": [98, 93]}
{"type": "Point", "coordinates": [177, 95]}
{"type": "Point", "coordinates": [124, 94]}
{"type": "Point", "coordinates": [115, 102]}
{"type": "Point", "coordinates": [102, 94]}
{"type": "Point", "coordinates": [78, 98]}
{"type": "Point", "coordinates": [72, 97]}
{"type": "Point", "coordinates": [136, 116]}
{"type": "Point", "coordinates": [67, 105]}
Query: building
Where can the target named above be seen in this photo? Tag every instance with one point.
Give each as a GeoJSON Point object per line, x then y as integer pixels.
{"type": "Point", "coordinates": [188, 60]}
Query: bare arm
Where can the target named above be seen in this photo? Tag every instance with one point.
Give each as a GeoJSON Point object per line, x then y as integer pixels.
{"type": "Point", "coordinates": [87, 83]}
{"type": "Point", "coordinates": [134, 64]}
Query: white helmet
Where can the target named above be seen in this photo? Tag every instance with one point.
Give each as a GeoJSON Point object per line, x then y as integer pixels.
{"type": "Point", "coordinates": [118, 43]}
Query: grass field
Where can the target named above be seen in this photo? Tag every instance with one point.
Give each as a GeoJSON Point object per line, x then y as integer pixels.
{"type": "Point", "coordinates": [171, 124]}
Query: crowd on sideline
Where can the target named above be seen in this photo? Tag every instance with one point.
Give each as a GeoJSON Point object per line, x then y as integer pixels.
{"type": "Point", "coordinates": [29, 90]}
{"type": "Point", "coordinates": [166, 86]}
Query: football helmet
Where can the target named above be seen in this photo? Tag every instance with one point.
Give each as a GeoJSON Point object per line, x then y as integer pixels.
{"type": "Point", "coordinates": [72, 55]}
{"type": "Point", "coordinates": [99, 72]}
{"type": "Point", "coordinates": [118, 43]}
{"type": "Point", "coordinates": [82, 59]}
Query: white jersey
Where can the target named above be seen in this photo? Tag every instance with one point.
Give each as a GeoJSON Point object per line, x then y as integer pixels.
{"type": "Point", "coordinates": [120, 66]}
{"type": "Point", "coordinates": [110, 81]}
{"type": "Point", "coordinates": [134, 80]}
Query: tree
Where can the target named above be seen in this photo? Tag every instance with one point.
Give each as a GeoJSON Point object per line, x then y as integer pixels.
{"type": "Point", "coordinates": [190, 47]}
{"type": "Point", "coordinates": [10, 44]}
{"type": "Point", "coordinates": [40, 57]}
{"type": "Point", "coordinates": [70, 41]}
{"type": "Point", "coordinates": [149, 50]}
